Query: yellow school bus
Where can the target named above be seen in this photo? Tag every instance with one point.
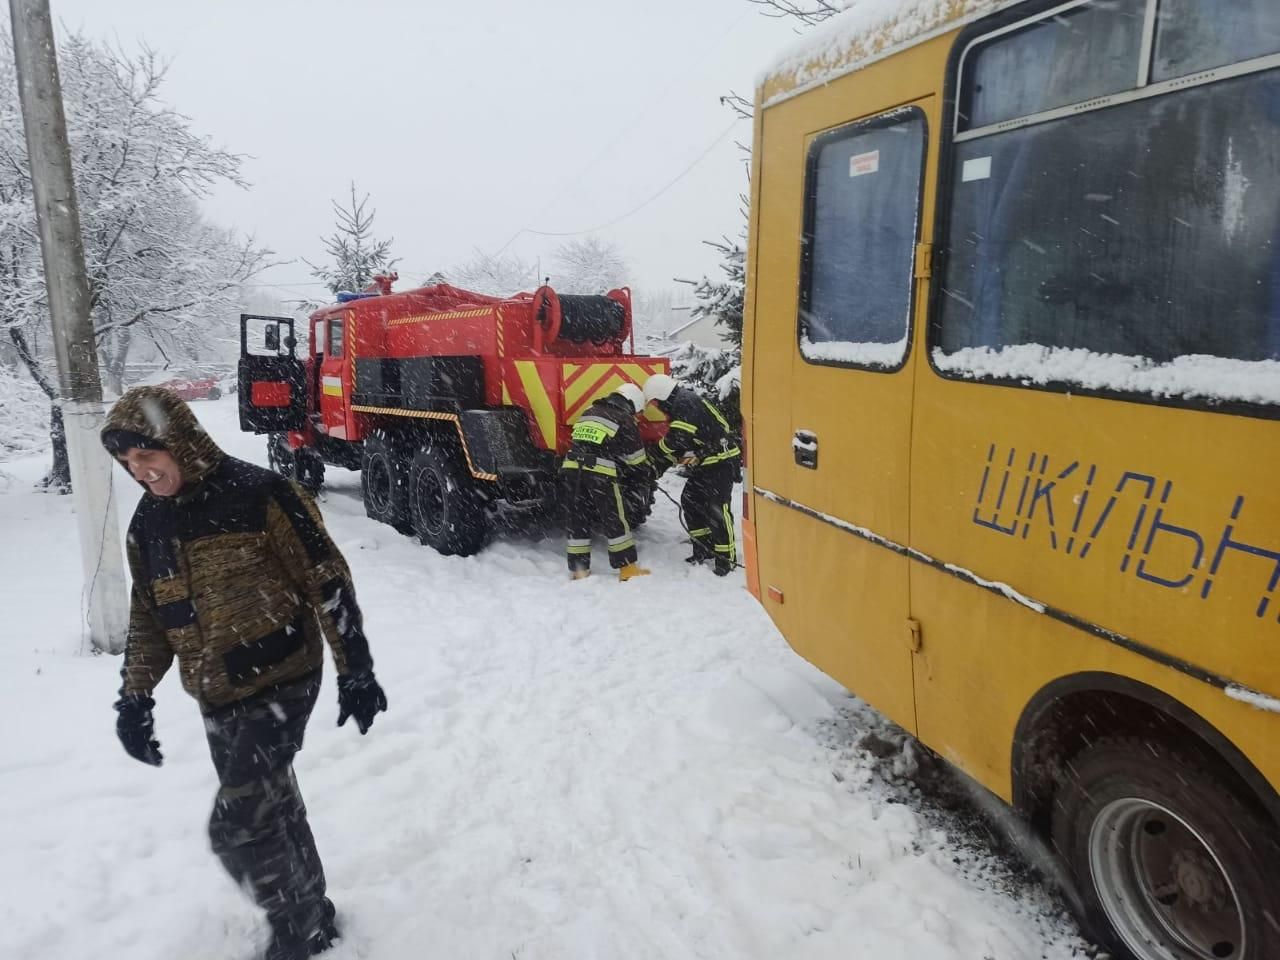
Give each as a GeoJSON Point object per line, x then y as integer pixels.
{"type": "Point", "coordinates": [1011, 386]}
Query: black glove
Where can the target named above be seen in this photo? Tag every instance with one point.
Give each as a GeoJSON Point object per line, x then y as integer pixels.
{"type": "Point", "coordinates": [136, 728]}
{"type": "Point", "coordinates": [360, 696]}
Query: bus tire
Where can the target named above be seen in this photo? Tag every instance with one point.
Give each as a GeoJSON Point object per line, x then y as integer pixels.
{"type": "Point", "coordinates": [446, 508]}
{"type": "Point", "coordinates": [383, 480]}
{"type": "Point", "coordinates": [1161, 846]}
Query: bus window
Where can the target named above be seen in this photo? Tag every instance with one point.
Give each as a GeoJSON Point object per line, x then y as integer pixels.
{"type": "Point", "coordinates": [1149, 229]}
{"type": "Point", "coordinates": [1194, 35]}
{"type": "Point", "coordinates": [862, 198]}
{"type": "Point", "coordinates": [1078, 54]}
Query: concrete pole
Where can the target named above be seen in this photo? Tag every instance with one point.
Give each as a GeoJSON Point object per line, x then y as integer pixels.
{"type": "Point", "coordinates": [59, 217]}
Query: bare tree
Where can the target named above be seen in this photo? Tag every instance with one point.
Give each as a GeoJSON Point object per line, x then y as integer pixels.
{"type": "Point", "coordinates": [589, 265]}
{"type": "Point", "coordinates": [808, 12]}
{"type": "Point", "coordinates": [158, 272]}
{"type": "Point", "coordinates": [497, 276]}
{"type": "Point", "coordinates": [357, 256]}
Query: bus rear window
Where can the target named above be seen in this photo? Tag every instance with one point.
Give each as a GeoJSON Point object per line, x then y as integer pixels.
{"type": "Point", "coordinates": [1075, 55]}
{"type": "Point", "coordinates": [1194, 35]}
{"type": "Point", "coordinates": [862, 202]}
{"type": "Point", "coordinates": [1132, 248]}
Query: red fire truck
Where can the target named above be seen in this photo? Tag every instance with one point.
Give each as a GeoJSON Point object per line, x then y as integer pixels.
{"type": "Point", "coordinates": [454, 405]}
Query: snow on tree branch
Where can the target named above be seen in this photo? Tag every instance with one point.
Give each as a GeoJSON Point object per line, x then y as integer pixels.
{"type": "Point", "coordinates": [357, 256]}
{"type": "Point", "coordinates": [157, 270]}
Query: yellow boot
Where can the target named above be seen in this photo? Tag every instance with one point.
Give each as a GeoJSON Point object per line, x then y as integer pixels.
{"type": "Point", "coordinates": [579, 574]}
{"type": "Point", "coordinates": [632, 570]}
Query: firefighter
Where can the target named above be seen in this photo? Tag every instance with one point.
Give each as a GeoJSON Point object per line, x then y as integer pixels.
{"type": "Point", "coordinates": [605, 466]}
{"type": "Point", "coordinates": [699, 438]}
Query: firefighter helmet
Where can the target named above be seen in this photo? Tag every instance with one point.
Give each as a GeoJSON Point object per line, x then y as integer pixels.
{"type": "Point", "coordinates": [633, 394]}
{"type": "Point", "coordinates": [658, 387]}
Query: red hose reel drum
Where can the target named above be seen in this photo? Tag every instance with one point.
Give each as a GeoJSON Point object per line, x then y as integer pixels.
{"type": "Point", "coordinates": [583, 319]}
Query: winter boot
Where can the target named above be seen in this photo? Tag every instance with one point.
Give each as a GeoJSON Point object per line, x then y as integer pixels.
{"type": "Point", "coordinates": [632, 570]}
{"type": "Point", "coordinates": [292, 947]}
{"type": "Point", "coordinates": [579, 574]}
{"type": "Point", "coordinates": [696, 558]}
{"type": "Point", "coordinates": [328, 931]}
{"type": "Point", "coordinates": [724, 566]}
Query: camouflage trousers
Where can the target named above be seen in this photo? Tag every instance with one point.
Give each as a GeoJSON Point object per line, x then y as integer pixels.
{"type": "Point", "coordinates": [259, 824]}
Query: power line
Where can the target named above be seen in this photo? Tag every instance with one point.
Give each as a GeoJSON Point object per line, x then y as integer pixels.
{"type": "Point", "coordinates": [623, 130]}
{"type": "Point", "coordinates": [636, 209]}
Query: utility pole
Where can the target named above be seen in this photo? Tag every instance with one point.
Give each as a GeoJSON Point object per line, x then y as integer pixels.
{"type": "Point", "coordinates": [74, 345]}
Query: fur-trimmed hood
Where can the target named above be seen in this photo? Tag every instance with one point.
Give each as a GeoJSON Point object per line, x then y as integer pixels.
{"type": "Point", "coordinates": [160, 415]}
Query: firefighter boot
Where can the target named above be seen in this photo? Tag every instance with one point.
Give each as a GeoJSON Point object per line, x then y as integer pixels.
{"type": "Point", "coordinates": [724, 566]}
{"type": "Point", "coordinates": [631, 570]}
{"type": "Point", "coordinates": [580, 574]}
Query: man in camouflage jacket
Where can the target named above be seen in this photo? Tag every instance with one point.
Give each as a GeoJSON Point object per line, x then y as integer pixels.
{"type": "Point", "coordinates": [234, 573]}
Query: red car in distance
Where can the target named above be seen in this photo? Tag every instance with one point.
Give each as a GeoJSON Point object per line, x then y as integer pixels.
{"type": "Point", "coordinates": [194, 386]}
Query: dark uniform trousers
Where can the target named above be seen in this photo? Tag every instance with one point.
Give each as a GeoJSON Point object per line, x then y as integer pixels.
{"type": "Point", "coordinates": [705, 503]}
{"type": "Point", "coordinates": [595, 503]}
{"type": "Point", "coordinates": [259, 824]}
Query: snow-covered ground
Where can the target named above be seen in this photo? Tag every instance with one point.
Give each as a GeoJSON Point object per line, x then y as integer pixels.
{"type": "Point", "coordinates": [567, 770]}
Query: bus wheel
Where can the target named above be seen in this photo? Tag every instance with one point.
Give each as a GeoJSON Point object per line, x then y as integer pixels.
{"type": "Point", "coordinates": [383, 486]}
{"type": "Point", "coordinates": [1171, 863]}
{"type": "Point", "coordinates": [446, 508]}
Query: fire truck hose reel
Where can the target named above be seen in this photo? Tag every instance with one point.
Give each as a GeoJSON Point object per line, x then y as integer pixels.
{"type": "Point", "coordinates": [580, 319]}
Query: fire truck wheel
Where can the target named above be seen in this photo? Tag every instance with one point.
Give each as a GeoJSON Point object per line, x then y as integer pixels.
{"type": "Point", "coordinates": [446, 507]}
{"type": "Point", "coordinates": [279, 456]}
{"type": "Point", "coordinates": [383, 486]}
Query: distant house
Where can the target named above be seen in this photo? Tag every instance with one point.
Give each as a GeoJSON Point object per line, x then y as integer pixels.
{"type": "Point", "coordinates": [703, 331]}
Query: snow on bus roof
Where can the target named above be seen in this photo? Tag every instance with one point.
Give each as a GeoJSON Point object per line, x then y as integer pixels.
{"type": "Point", "coordinates": [868, 31]}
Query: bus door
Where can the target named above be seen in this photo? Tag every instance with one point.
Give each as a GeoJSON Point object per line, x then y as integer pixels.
{"type": "Point", "coordinates": [847, 459]}
{"type": "Point", "coordinates": [333, 407]}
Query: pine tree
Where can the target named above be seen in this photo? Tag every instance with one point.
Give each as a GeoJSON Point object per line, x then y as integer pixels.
{"type": "Point", "coordinates": [723, 300]}
{"type": "Point", "coordinates": [357, 256]}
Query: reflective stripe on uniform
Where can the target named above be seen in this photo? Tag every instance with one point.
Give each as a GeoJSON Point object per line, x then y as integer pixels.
{"type": "Point", "coordinates": [593, 429]}
{"type": "Point", "coordinates": [609, 425]}
{"type": "Point", "coordinates": [576, 549]}
{"type": "Point", "coordinates": [621, 545]}
{"type": "Point", "coordinates": [603, 466]}
{"type": "Point", "coordinates": [683, 425]}
{"type": "Point", "coordinates": [718, 457]}
{"type": "Point", "coordinates": [731, 548]}
{"type": "Point", "coordinates": [632, 459]}
{"type": "Point", "coordinates": [622, 511]}
{"type": "Point", "coordinates": [715, 413]}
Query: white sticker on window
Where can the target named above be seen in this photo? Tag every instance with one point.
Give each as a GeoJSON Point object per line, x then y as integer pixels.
{"type": "Point", "coordinates": [864, 163]}
{"type": "Point", "coordinates": [979, 168]}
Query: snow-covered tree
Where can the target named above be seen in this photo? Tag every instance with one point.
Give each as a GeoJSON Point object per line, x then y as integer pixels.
{"type": "Point", "coordinates": [157, 271]}
{"type": "Point", "coordinates": [589, 265]}
{"type": "Point", "coordinates": [716, 374]}
{"type": "Point", "coordinates": [498, 276]}
{"type": "Point", "coordinates": [357, 256]}
{"type": "Point", "coordinates": [722, 300]}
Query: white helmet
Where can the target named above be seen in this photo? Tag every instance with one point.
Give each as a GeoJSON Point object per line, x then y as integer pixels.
{"type": "Point", "coordinates": [633, 394]}
{"type": "Point", "coordinates": [658, 387]}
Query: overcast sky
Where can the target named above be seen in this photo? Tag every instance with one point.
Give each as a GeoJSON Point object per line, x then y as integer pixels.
{"type": "Point", "coordinates": [466, 121]}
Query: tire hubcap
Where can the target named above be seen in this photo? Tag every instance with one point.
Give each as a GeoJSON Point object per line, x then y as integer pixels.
{"type": "Point", "coordinates": [428, 498]}
{"type": "Point", "coordinates": [1161, 885]}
